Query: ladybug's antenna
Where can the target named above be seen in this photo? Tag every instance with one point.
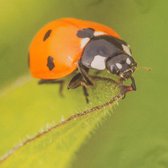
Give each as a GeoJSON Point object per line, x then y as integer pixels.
{"type": "Point", "coordinates": [146, 69]}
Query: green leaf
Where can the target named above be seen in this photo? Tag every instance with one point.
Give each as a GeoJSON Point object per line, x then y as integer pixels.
{"type": "Point", "coordinates": [66, 122]}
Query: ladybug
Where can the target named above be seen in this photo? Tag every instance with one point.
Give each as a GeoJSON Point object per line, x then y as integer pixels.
{"type": "Point", "coordinates": [67, 45]}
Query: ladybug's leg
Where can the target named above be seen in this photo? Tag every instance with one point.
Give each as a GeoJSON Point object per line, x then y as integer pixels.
{"type": "Point", "coordinates": [105, 79]}
{"type": "Point", "coordinates": [53, 81]}
{"type": "Point", "coordinates": [82, 78]}
{"type": "Point", "coordinates": [125, 88]}
{"type": "Point", "coordinates": [133, 85]}
{"type": "Point", "coordinates": [84, 72]}
{"type": "Point", "coordinates": [61, 88]}
{"type": "Point", "coordinates": [47, 81]}
{"type": "Point", "coordinates": [85, 94]}
{"type": "Point", "coordinates": [75, 81]}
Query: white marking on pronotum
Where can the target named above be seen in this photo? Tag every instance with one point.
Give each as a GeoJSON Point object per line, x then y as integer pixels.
{"type": "Point", "coordinates": [126, 49]}
{"type": "Point", "coordinates": [98, 62]}
{"type": "Point", "coordinates": [98, 33]}
{"type": "Point", "coordinates": [128, 61]}
{"type": "Point", "coordinates": [119, 66]}
{"type": "Point", "coordinates": [84, 41]}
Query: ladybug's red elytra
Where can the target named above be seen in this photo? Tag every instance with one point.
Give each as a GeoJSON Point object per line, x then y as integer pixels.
{"type": "Point", "coordinates": [68, 44]}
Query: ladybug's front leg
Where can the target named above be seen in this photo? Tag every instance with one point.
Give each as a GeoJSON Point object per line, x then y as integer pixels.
{"type": "Point", "coordinates": [75, 81]}
{"type": "Point", "coordinates": [81, 79]}
{"type": "Point", "coordinates": [133, 85]}
{"type": "Point", "coordinates": [84, 72]}
{"type": "Point", "coordinates": [125, 88]}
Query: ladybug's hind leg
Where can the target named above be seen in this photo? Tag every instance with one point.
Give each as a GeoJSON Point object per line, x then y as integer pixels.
{"type": "Point", "coordinates": [53, 81]}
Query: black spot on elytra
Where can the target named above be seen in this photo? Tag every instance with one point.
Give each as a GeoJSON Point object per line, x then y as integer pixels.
{"type": "Point", "coordinates": [86, 32]}
{"type": "Point", "coordinates": [50, 63]}
{"type": "Point", "coordinates": [47, 35]}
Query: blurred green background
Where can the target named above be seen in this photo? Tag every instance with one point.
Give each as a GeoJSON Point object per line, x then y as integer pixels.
{"type": "Point", "coordinates": [136, 135]}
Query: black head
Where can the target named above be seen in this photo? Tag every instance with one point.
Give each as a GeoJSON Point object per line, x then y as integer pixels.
{"type": "Point", "coordinates": [122, 65]}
